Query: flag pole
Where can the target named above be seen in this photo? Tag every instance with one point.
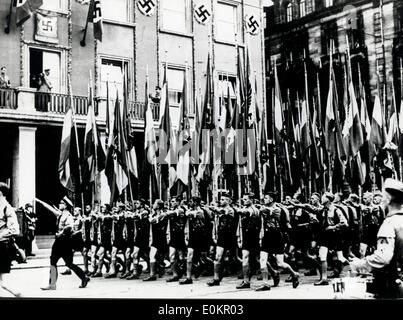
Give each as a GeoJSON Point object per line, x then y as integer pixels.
{"type": "Point", "coordinates": [237, 169]}
{"type": "Point", "coordinates": [330, 157]}
{"type": "Point", "coordinates": [77, 146]}
{"type": "Point", "coordinates": [400, 111]}
{"type": "Point", "coordinates": [95, 186]}
{"type": "Point", "coordinates": [320, 125]}
{"type": "Point", "coordinates": [150, 187]}
{"type": "Point", "coordinates": [309, 169]}
{"type": "Point", "coordinates": [258, 149]}
{"type": "Point", "coordinates": [7, 28]}
{"type": "Point", "coordinates": [125, 98]}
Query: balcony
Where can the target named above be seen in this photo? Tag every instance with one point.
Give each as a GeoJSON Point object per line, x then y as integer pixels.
{"type": "Point", "coordinates": [28, 105]}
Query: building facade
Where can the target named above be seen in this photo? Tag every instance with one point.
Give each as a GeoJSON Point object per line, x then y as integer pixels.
{"type": "Point", "coordinates": [373, 29]}
{"type": "Point", "coordinates": [138, 37]}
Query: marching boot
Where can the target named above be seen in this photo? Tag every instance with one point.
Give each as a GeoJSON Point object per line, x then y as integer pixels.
{"type": "Point", "coordinates": [217, 277]}
{"type": "Point", "coordinates": [189, 269]}
{"type": "Point", "coordinates": [323, 275]}
{"type": "Point", "coordinates": [113, 272]}
{"type": "Point", "coordinates": [52, 279]}
{"type": "Point", "coordinates": [338, 267]}
{"type": "Point", "coordinates": [265, 277]}
{"type": "Point", "coordinates": [135, 275]}
{"type": "Point", "coordinates": [152, 276]}
{"type": "Point", "coordinates": [245, 284]}
{"type": "Point", "coordinates": [174, 268]}
{"type": "Point", "coordinates": [127, 273]}
{"type": "Point", "coordinates": [275, 275]}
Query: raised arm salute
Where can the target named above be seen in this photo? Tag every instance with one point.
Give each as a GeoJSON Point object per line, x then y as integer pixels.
{"type": "Point", "coordinates": [63, 245]}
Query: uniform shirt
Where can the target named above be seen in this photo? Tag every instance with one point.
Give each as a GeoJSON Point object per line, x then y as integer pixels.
{"type": "Point", "coordinates": [390, 245]}
{"type": "Point", "coordinates": [250, 218]}
{"type": "Point", "coordinates": [65, 221]}
{"type": "Point", "coordinates": [333, 216]}
{"type": "Point", "coordinates": [78, 224]}
{"type": "Point", "coordinates": [270, 217]}
{"type": "Point", "coordinates": [8, 220]}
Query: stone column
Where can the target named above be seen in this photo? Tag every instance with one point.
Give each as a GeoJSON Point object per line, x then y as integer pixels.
{"type": "Point", "coordinates": [24, 167]}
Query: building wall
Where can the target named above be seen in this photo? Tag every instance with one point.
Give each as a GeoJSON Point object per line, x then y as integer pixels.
{"type": "Point", "coordinates": [313, 23]}
{"type": "Point", "coordinates": [141, 41]}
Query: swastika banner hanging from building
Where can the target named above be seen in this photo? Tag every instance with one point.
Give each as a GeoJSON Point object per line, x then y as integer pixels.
{"type": "Point", "coordinates": [202, 13]}
{"type": "Point", "coordinates": [252, 24]}
{"type": "Point", "coordinates": [46, 28]}
{"type": "Point", "coordinates": [147, 7]}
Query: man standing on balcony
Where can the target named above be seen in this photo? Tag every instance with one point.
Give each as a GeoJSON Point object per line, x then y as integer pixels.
{"type": "Point", "coordinates": [4, 79]}
{"type": "Point", "coordinates": [46, 87]}
{"type": "Point", "coordinates": [4, 84]}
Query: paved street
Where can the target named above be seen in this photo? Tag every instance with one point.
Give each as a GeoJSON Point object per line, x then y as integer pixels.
{"type": "Point", "coordinates": [29, 277]}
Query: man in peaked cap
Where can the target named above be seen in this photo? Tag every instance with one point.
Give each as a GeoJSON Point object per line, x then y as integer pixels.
{"type": "Point", "coordinates": [63, 246]}
{"type": "Point", "coordinates": [387, 260]}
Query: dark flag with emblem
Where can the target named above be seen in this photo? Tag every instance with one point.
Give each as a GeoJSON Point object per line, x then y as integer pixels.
{"type": "Point", "coordinates": [115, 169]}
{"type": "Point", "coordinates": [207, 124]}
{"type": "Point", "coordinates": [95, 17]}
{"type": "Point", "coordinates": [150, 147]}
{"type": "Point", "coordinates": [25, 8]}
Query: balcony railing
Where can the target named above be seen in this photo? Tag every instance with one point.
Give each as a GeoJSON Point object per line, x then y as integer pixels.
{"type": "Point", "coordinates": [27, 100]}
{"type": "Point", "coordinates": [58, 103]}
{"type": "Point", "coordinates": [8, 98]}
{"type": "Point", "coordinates": [136, 109]}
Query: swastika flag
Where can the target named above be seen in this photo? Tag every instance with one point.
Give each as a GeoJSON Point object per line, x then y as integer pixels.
{"type": "Point", "coordinates": [95, 16]}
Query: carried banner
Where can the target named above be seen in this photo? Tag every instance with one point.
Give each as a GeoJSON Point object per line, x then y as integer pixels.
{"type": "Point", "coordinates": [252, 24]}
{"type": "Point", "coordinates": [46, 28]}
{"type": "Point", "coordinates": [147, 7]}
{"type": "Point", "coordinates": [202, 14]}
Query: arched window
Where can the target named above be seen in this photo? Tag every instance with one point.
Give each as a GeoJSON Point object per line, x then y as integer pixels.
{"type": "Point", "coordinates": [302, 8]}
{"type": "Point", "coordinates": [289, 12]}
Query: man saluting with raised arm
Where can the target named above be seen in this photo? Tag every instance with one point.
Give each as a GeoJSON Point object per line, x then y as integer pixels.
{"type": "Point", "coordinates": [63, 247]}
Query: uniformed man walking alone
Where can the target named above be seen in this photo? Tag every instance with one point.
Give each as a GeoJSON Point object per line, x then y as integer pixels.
{"type": "Point", "coordinates": [63, 247]}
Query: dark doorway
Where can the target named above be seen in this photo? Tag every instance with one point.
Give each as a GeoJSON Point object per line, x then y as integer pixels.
{"type": "Point", "coordinates": [35, 67]}
{"type": "Point", "coordinates": [8, 134]}
{"type": "Point", "coordinates": [48, 187]}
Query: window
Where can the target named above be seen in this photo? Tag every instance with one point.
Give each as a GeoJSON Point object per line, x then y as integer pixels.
{"type": "Point", "coordinates": [111, 71]}
{"type": "Point", "coordinates": [328, 3]}
{"type": "Point", "coordinates": [54, 5]}
{"type": "Point", "coordinates": [175, 93]}
{"type": "Point", "coordinates": [302, 8]}
{"type": "Point", "coordinates": [227, 24]}
{"type": "Point", "coordinates": [174, 15]}
{"type": "Point", "coordinates": [226, 82]}
{"type": "Point", "coordinates": [40, 60]}
{"type": "Point", "coordinates": [289, 12]}
{"type": "Point", "coordinates": [116, 10]}
{"type": "Point", "coordinates": [175, 83]}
